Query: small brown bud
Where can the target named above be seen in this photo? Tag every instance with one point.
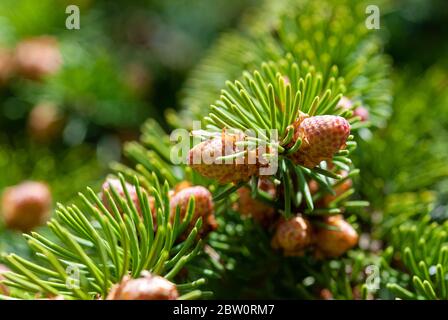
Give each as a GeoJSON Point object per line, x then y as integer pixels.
{"type": "Point", "coordinates": [38, 57]}
{"type": "Point", "coordinates": [44, 122]}
{"type": "Point", "coordinates": [292, 236]}
{"type": "Point", "coordinates": [147, 287]}
{"type": "Point", "coordinates": [339, 190]}
{"type": "Point", "coordinates": [26, 205]}
{"type": "Point", "coordinates": [6, 65]}
{"type": "Point", "coordinates": [334, 243]}
{"type": "Point", "coordinates": [182, 185]}
{"type": "Point", "coordinates": [345, 104]}
{"type": "Point", "coordinates": [204, 207]}
{"type": "Point", "coordinates": [326, 294]}
{"type": "Point", "coordinates": [313, 185]}
{"type": "Point", "coordinates": [259, 211]}
{"type": "Point", "coordinates": [4, 290]}
{"type": "Point", "coordinates": [116, 185]}
{"type": "Point", "coordinates": [362, 112]}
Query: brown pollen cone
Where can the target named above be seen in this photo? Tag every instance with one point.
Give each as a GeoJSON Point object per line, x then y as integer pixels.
{"type": "Point", "coordinates": [203, 159]}
{"type": "Point", "coordinates": [292, 236]}
{"type": "Point", "coordinates": [147, 287]}
{"type": "Point", "coordinates": [258, 210]}
{"type": "Point", "coordinates": [7, 65]}
{"type": "Point", "coordinates": [204, 208]}
{"type": "Point", "coordinates": [38, 57]}
{"type": "Point", "coordinates": [44, 122]}
{"type": "Point", "coordinates": [116, 184]}
{"type": "Point", "coordinates": [362, 112]}
{"type": "Point", "coordinates": [182, 185]}
{"type": "Point", "coordinates": [339, 189]}
{"type": "Point", "coordinates": [322, 137]}
{"type": "Point", "coordinates": [334, 243]}
{"type": "Point", "coordinates": [26, 206]}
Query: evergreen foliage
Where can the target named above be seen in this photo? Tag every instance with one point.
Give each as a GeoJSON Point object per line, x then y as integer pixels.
{"type": "Point", "coordinates": [287, 60]}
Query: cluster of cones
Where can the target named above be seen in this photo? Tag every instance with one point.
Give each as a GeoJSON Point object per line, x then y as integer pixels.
{"type": "Point", "coordinates": [321, 137]}
{"type": "Point", "coordinates": [327, 236]}
{"type": "Point", "coordinates": [35, 59]}
{"type": "Point", "coordinates": [179, 197]}
{"type": "Point", "coordinates": [206, 158]}
{"type": "Point", "coordinates": [28, 205]}
{"type": "Point", "coordinates": [149, 286]}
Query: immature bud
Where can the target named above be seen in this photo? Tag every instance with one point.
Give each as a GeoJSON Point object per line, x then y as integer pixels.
{"type": "Point", "coordinates": [204, 207]}
{"type": "Point", "coordinates": [292, 236]}
{"type": "Point", "coordinates": [258, 210]}
{"type": "Point", "coordinates": [204, 159]}
{"type": "Point", "coordinates": [6, 65]}
{"type": "Point", "coordinates": [44, 122]}
{"type": "Point", "coordinates": [313, 185]}
{"type": "Point", "coordinates": [147, 287]}
{"type": "Point", "coordinates": [339, 188]}
{"type": "Point", "coordinates": [26, 205]}
{"type": "Point", "coordinates": [334, 243]}
{"type": "Point", "coordinates": [362, 112]}
{"type": "Point", "coordinates": [182, 185]}
{"type": "Point", "coordinates": [322, 137]}
{"type": "Point", "coordinates": [4, 290]}
{"type": "Point", "coordinates": [116, 185]}
{"type": "Point", "coordinates": [43, 296]}
{"type": "Point", "coordinates": [38, 57]}
{"type": "Point", "coordinates": [325, 294]}
{"type": "Point", "coordinates": [345, 104]}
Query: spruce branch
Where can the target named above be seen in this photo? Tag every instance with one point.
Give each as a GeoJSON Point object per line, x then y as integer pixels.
{"type": "Point", "coordinates": [105, 243]}
{"type": "Point", "coordinates": [417, 254]}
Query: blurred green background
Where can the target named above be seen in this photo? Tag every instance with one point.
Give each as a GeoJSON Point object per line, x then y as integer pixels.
{"type": "Point", "coordinates": [129, 60]}
{"type": "Point", "coordinates": [124, 64]}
